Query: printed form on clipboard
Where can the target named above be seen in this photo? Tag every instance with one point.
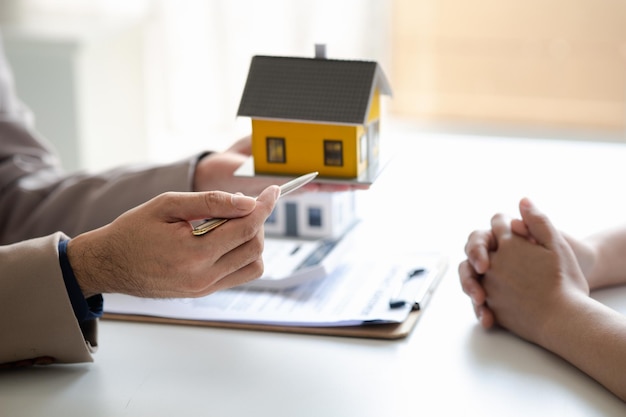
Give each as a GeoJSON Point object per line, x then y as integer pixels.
{"type": "Point", "coordinates": [363, 286]}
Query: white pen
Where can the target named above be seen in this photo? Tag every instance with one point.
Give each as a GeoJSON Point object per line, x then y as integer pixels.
{"type": "Point", "coordinates": [285, 189]}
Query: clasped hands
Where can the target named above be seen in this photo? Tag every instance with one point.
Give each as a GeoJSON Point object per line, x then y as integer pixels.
{"type": "Point", "coordinates": [523, 272]}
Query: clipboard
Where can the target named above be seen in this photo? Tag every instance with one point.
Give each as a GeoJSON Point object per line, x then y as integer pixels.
{"type": "Point", "coordinates": [383, 331]}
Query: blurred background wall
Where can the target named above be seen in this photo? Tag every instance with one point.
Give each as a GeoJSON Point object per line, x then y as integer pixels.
{"type": "Point", "coordinates": [112, 81]}
{"type": "Point", "coordinates": [532, 62]}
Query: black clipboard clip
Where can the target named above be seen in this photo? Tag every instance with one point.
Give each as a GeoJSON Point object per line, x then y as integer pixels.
{"type": "Point", "coordinates": [414, 289]}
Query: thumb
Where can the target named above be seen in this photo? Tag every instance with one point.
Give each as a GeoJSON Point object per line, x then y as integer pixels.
{"type": "Point", "coordinates": [540, 228]}
{"type": "Point", "coordinates": [269, 196]}
{"type": "Point", "coordinates": [206, 205]}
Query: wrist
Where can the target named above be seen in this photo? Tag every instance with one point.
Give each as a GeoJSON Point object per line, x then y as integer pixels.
{"type": "Point", "coordinates": [81, 259]}
{"type": "Point", "coordinates": [595, 268]}
{"type": "Point", "coordinates": [587, 253]}
{"type": "Point", "coordinates": [559, 321]}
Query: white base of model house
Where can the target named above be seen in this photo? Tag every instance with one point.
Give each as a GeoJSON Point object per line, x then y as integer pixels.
{"type": "Point", "coordinates": [314, 215]}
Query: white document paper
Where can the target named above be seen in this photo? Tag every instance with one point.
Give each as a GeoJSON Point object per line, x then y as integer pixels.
{"type": "Point", "coordinates": [356, 292]}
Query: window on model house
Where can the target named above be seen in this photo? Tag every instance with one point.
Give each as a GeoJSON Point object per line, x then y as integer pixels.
{"type": "Point", "coordinates": [315, 217]}
{"type": "Point", "coordinates": [276, 150]}
{"type": "Point", "coordinates": [333, 153]}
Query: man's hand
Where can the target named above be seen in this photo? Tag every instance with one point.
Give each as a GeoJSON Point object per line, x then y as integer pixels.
{"type": "Point", "coordinates": [150, 251]}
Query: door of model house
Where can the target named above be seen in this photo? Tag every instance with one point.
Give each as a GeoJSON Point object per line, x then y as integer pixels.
{"type": "Point", "coordinates": [291, 219]}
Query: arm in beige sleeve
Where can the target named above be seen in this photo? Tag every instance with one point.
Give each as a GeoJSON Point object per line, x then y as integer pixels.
{"type": "Point", "coordinates": [36, 316]}
{"type": "Point", "coordinates": [37, 198]}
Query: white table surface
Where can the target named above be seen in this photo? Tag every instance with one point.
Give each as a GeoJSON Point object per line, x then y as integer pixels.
{"type": "Point", "coordinates": [435, 191]}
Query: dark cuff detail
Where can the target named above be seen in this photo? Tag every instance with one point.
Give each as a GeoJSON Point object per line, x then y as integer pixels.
{"type": "Point", "coordinates": [84, 308]}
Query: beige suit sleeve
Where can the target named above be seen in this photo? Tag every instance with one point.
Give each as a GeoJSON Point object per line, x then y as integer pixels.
{"type": "Point", "coordinates": [36, 316]}
{"type": "Point", "coordinates": [37, 198]}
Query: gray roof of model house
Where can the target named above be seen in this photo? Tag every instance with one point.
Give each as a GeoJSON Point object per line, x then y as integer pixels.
{"type": "Point", "coordinates": [311, 89]}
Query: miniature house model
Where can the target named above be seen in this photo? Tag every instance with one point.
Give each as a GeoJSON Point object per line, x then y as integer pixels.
{"type": "Point", "coordinates": [314, 114]}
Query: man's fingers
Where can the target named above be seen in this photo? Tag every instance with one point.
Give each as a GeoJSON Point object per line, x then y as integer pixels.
{"type": "Point", "coordinates": [240, 244]}
{"type": "Point", "coordinates": [203, 205]}
{"type": "Point", "coordinates": [240, 276]}
{"type": "Point", "coordinates": [234, 267]}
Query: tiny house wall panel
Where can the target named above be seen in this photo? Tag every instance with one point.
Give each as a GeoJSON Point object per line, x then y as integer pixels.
{"type": "Point", "coordinates": [304, 148]}
{"type": "Point", "coordinates": [313, 215]}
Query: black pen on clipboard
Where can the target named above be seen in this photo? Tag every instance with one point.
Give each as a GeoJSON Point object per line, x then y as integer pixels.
{"type": "Point", "coordinates": [414, 289]}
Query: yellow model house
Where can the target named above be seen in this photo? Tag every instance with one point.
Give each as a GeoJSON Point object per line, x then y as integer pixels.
{"type": "Point", "coordinates": [314, 114]}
